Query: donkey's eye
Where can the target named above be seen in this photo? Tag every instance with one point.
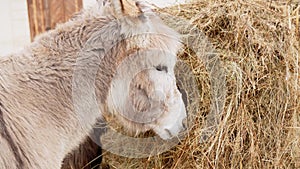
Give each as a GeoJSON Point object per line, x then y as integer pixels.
{"type": "Point", "coordinates": [161, 68]}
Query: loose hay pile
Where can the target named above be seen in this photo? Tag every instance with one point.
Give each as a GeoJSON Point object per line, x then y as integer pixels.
{"type": "Point", "coordinates": [258, 43]}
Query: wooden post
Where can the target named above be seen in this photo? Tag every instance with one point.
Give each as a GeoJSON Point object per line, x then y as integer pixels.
{"type": "Point", "coordinates": [45, 14]}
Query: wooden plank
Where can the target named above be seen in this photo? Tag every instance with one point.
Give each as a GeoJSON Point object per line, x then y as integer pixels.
{"type": "Point", "coordinates": [71, 6]}
{"type": "Point", "coordinates": [45, 14]}
{"type": "Point", "coordinates": [36, 17]}
{"type": "Point", "coordinates": [57, 12]}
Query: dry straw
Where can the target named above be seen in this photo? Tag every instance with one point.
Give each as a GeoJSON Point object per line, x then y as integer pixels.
{"type": "Point", "coordinates": [258, 43]}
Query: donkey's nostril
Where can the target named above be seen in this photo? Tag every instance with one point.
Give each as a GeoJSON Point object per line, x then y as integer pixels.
{"type": "Point", "coordinates": [169, 133]}
{"type": "Point", "coordinates": [184, 124]}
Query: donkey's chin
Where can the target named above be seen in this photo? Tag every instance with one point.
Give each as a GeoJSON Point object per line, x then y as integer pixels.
{"type": "Point", "coordinates": [173, 125]}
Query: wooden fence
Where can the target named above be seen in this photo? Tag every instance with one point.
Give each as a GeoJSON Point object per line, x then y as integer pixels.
{"type": "Point", "coordinates": [45, 14]}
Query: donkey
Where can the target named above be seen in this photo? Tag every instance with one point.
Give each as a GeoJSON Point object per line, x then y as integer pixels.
{"type": "Point", "coordinates": [120, 50]}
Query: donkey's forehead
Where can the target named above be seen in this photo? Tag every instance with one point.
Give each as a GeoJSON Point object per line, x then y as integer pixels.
{"type": "Point", "coordinates": [163, 60]}
{"type": "Point", "coordinates": [154, 41]}
{"type": "Point", "coordinates": [151, 58]}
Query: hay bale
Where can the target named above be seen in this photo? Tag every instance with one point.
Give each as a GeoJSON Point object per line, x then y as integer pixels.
{"type": "Point", "coordinates": [258, 43]}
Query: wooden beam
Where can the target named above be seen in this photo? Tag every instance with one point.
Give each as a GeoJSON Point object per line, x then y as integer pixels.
{"type": "Point", "coordinates": [45, 14]}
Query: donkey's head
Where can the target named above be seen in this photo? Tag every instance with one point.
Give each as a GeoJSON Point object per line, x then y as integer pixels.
{"type": "Point", "coordinates": [143, 94]}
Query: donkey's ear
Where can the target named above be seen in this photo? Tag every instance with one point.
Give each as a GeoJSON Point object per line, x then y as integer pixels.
{"type": "Point", "coordinates": [144, 6]}
{"type": "Point", "coordinates": [104, 7]}
{"type": "Point", "coordinates": [125, 8]}
{"type": "Point", "coordinates": [102, 3]}
{"type": "Point", "coordinates": [129, 8]}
